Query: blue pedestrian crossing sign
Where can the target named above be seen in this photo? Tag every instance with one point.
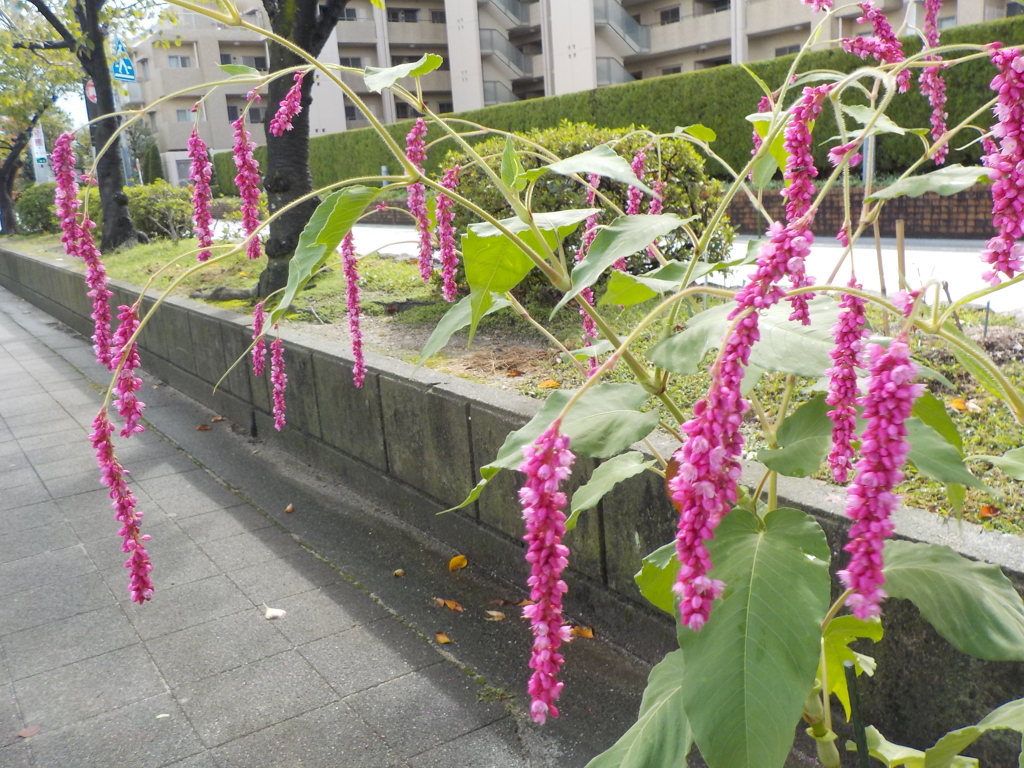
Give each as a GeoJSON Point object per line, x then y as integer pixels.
{"type": "Point", "coordinates": [122, 68]}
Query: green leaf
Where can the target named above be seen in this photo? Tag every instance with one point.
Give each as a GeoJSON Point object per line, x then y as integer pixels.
{"type": "Point", "coordinates": [683, 352]}
{"type": "Point", "coordinates": [378, 79]}
{"type": "Point", "coordinates": [933, 457]}
{"type": "Point", "coordinates": [599, 347]}
{"type": "Point", "coordinates": [945, 181]}
{"type": "Point", "coordinates": [929, 409]}
{"type": "Point", "coordinates": [656, 577]}
{"type": "Point", "coordinates": [560, 224]}
{"type": "Point", "coordinates": [891, 755]}
{"type": "Point", "coordinates": [757, 79]}
{"type": "Point", "coordinates": [698, 131]}
{"type": "Point", "coordinates": [493, 265]}
{"type": "Point", "coordinates": [973, 605]}
{"type": "Point", "coordinates": [661, 735]}
{"type": "Point", "coordinates": [805, 437]}
{"type": "Point", "coordinates": [1010, 717]}
{"type": "Point", "coordinates": [625, 289]}
{"type": "Point", "coordinates": [932, 375]}
{"type": "Point", "coordinates": [1011, 462]}
{"type": "Point", "coordinates": [609, 474]}
{"type": "Point", "coordinates": [378, 3]}
{"type": "Point", "coordinates": [623, 237]}
{"type": "Point", "coordinates": [327, 227]}
{"type": "Point", "coordinates": [863, 115]}
{"type": "Point", "coordinates": [455, 319]}
{"type": "Point", "coordinates": [603, 161]}
{"type": "Point", "coordinates": [840, 632]}
{"type": "Point", "coordinates": [750, 669]}
{"type": "Point", "coordinates": [971, 361]}
{"type": "Point", "coordinates": [237, 70]}
{"type": "Point", "coordinates": [764, 171]}
{"type": "Point", "coordinates": [511, 168]}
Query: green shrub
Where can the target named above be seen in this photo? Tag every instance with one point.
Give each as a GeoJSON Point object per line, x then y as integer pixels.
{"type": "Point", "coordinates": [34, 208]}
{"type": "Point", "coordinates": [160, 210]}
{"type": "Point", "coordinates": [152, 166]}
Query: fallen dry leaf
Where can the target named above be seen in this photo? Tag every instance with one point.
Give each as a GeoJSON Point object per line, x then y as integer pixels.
{"type": "Point", "coordinates": [973, 407]}
{"type": "Point", "coordinates": [451, 605]}
{"type": "Point", "coordinates": [274, 613]}
{"type": "Point", "coordinates": [525, 602]}
{"type": "Point", "coordinates": [442, 638]}
{"type": "Point", "coordinates": [29, 732]}
{"type": "Point", "coordinates": [439, 601]}
{"type": "Point", "coordinates": [513, 374]}
{"type": "Point", "coordinates": [587, 632]}
{"type": "Point", "coordinates": [217, 418]}
{"type": "Point", "coordinates": [958, 404]}
{"type": "Point", "coordinates": [289, 509]}
{"type": "Point", "coordinates": [549, 384]}
{"type": "Point", "coordinates": [457, 562]}
{"type": "Point", "coordinates": [494, 616]}
{"type": "Point", "coordinates": [989, 511]}
{"type": "Point", "coordinates": [399, 573]}
{"type": "Point", "coordinates": [203, 427]}
{"type": "Point", "coordinates": [501, 602]}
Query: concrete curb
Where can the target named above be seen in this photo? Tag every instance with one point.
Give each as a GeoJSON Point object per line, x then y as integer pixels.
{"type": "Point", "coordinates": [416, 439]}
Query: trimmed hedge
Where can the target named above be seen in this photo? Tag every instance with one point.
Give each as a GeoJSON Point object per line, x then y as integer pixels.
{"type": "Point", "coordinates": [719, 98]}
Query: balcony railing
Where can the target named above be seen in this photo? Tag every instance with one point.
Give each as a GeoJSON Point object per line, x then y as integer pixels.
{"type": "Point", "coordinates": [494, 43]}
{"type": "Point", "coordinates": [496, 92]}
{"type": "Point", "coordinates": [611, 72]}
{"type": "Point", "coordinates": [610, 13]}
{"type": "Point", "coordinates": [518, 13]}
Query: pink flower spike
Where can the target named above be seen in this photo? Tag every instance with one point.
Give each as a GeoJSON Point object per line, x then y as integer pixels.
{"type": "Point", "coordinates": [546, 466]}
{"type": "Point", "coordinates": [248, 183]}
{"type": "Point", "coordinates": [587, 294]}
{"type": "Point", "coordinates": [127, 383]}
{"type": "Point", "coordinates": [416, 152]}
{"type": "Point", "coordinates": [259, 349]}
{"type": "Point", "coordinates": [932, 84]}
{"type": "Point", "coordinates": [884, 449]}
{"type": "Point", "coordinates": [289, 107]}
{"type": "Point", "coordinates": [112, 475]}
{"type": "Point", "coordinates": [655, 207]}
{"type": "Point", "coordinates": [884, 46]}
{"type": "Point", "coordinates": [818, 5]}
{"type": "Point", "coordinates": [279, 379]}
{"type": "Point", "coordinates": [348, 257]}
{"type": "Point", "coordinates": [849, 333]}
{"type": "Point", "coordinates": [446, 234]}
{"type": "Point", "coordinates": [200, 175]}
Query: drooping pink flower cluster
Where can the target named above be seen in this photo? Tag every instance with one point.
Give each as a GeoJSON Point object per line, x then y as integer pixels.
{"type": "Point", "coordinates": [248, 183]}
{"type": "Point", "coordinates": [883, 45]}
{"type": "Point", "coordinates": [289, 107]}
{"type": "Point", "coordinates": [127, 383]}
{"type": "Point", "coordinates": [279, 379]}
{"type": "Point", "coordinates": [587, 294]}
{"type": "Point", "coordinates": [836, 155]}
{"type": "Point", "coordinates": [818, 5]}
{"type": "Point", "coordinates": [849, 333]}
{"type": "Point", "coordinates": [446, 234]}
{"type": "Point", "coordinates": [655, 207]}
{"type": "Point", "coordinates": [884, 449]}
{"type": "Point", "coordinates": [1005, 160]}
{"type": "Point", "coordinates": [764, 105]}
{"type": "Point", "coordinates": [635, 195]}
{"type": "Point", "coordinates": [78, 241]}
{"type": "Point", "coordinates": [200, 175]}
{"type": "Point", "coordinates": [112, 475]}
{"type": "Point", "coordinates": [547, 464]}
{"type": "Point", "coordinates": [932, 83]}
{"type": "Point", "coordinates": [704, 488]}
{"type": "Point", "coordinates": [416, 152]}
{"type": "Point", "coordinates": [351, 266]}
{"type": "Point", "coordinates": [259, 349]}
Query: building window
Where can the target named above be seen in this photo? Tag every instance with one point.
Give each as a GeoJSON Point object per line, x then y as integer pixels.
{"type": "Point", "coordinates": [438, 17]}
{"type": "Point", "coordinates": [720, 5]}
{"type": "Point", "coordinates": [670, 71]}
{"type": "Point", "coordinates": [638, 75]}
{"type": "Point", "coordinates": [182, 115]}
{"type": "Point", "coordinates": [232, 112]}
{"type": "Point", "coordinates": [445, 107]}
{"type": "Point", "coordinates": [225, 58]}
{"type": "Point", "coordinates": [351, 113]}
{"type": "Point", "coordinates": [636, 18]}
{"type": "Point", "coordinates": [709, 63]}
{"type": "Point", "coordinates": [152, 122]}
{"type": "Point", "coordinates": [184, 169]}
{"type": "Point", "coordinates": [670, 15]}
{"type": "Point", "coordinates": [356, 62]}
{"type": "Point", "coordinates": [179, 62]}
{"type": "Point", "coordinates": [403, 111]}
{"type": "Point", "coordinates": [256, 62]}
{"type": "Point", "coordinates": [143, 69]}
{"type": "Point", "coordinates": [787, 49]}
{"type": "Point", "coordinates": [1013, 9]}
{"type": "Point", "coordinates": [409, 15]}
{"type": "Point", "coordinates": [348, 14]}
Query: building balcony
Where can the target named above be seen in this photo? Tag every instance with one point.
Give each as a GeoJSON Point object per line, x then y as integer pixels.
{"type": "Point", "coordinates": [765, 17]}
{"type": "Point", "coordinates": [496, 92]}
{"type": "Point", "coordinates": [612, 16]}
{"type": "Point", "coordinates": [517, 13]}
{"type": "Point", "coordinates": [360, 31]}
{"type": "Point", "coordinates": [436, 82]}
{"type": "Point", "coordinates": [134, 97]}
{"type": "Point", "coordinates": [611, 72]}
{"type": "Point", "coordinates": [355, 82]}
{"type": "Point", "coordinates": [417, 33]}
{"type": "Point", "coordinates": [694, 31]}
{"type": "Point", "coordinates": [493, 43]}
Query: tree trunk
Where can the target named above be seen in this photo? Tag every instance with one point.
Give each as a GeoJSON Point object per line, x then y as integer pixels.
{"type": "Point", "coordinates": [8, 174]}
{"type": "Point", "coordinates": [287, 175]}
{"type": "Point", "coordinates": [118, 227]}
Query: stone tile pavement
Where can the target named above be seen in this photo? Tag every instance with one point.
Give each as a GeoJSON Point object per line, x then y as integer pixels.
{"type": "Point", "coordinates": [198, 677]}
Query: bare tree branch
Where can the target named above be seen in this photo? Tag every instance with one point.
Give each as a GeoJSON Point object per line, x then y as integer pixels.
{"type": "Point", "coordinates": [326, 20]}
{"type": "Point", "coordinates": [44, 45]}
{"type": "Point", "coordinates": [51, 18]}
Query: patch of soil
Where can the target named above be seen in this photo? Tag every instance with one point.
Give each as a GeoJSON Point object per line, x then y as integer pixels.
{"type": "Point", "coordinates": [1003, 343]}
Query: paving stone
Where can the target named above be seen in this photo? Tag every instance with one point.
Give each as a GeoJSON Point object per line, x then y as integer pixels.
{"type": "Point", "coordinates": [30, 403]}
{"type": "Point", "coordinates": [23, 610]}
{"type": "Point", "coordinates": [96, 503]}
{"type": "Point", "coordinates": [44, 568]}
{"type": "Point", "coordinates": [333, 735]}
{"type": "Point", "coordinates": [73, 485]}
{"type": "Point", "coordinates": [15, 477]}
{"type": "Point", "coordinates": [496, 746]}
{"type": "Point", "coordinates": [201, 760]}
{"type": "Point", "coordinates": [88, 688]}
{"type": "Point", "coordinates": [270, 581]}
{"type": "Point", "coordinates": [10, 720]}
{"type": "Point", "coordinates": [146, 734]}
{"type": "Point", "coordinates": [32, 516]}
{"type": "Point", "coordinates": [167, 536]}
{"type": "Point", "coordinates": [61, 643]}
{"type": "Point", "coordinates": [23, 495]}
{"type": "Point", "coordinates": [188, 494]}
{"type": "Point", "coordinates": [102, 525]}
{"type": "Point", "coordinates": [75, 465]}
{"type": "Point", "coordinates": [216, 646]}
{"type": "Point", "coordinates": [425, 709]}
{"type": "Point", "coordinates": [15, 756]}
{"type": "Point", "coordinates": [223, 523]}
{"type": "Point", "coordinates": [245, 549]}
{"type": "Point", "coordinates": [173, 569]}
{"type": "Point", "coordinates": [364, 657]}
{"type": "Point", "coordinates": [185, 606]}
{"type": "Point", "coordinates": [44, 428]}
{"type": "Point", "coordinates": [322, 612]}
{"type": "Point", "coordinates": [44, 443]}
{"type": "Point", "coordinates": [252, 697]}
{"type": "Point", "coordinates": [35, 541]}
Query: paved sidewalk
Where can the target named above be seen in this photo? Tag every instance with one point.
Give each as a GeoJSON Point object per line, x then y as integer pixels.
{"type": "Point", "coordinates": [198, 677]}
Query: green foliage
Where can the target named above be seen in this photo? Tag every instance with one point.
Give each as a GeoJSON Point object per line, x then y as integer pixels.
{"type": "Point", "coordinates": [35, 209]}
{"type": "Point", "coordinates": [804, 437]}
{"type": "Point", "coordinates": [609, 474]}
{"type": "Point", "coordinates": [160, 210]}
{"type": "Point", "coordinates": [152, 167]}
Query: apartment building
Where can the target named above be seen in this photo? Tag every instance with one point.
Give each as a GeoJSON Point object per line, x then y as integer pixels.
{"type": "Point", "coordinates": [494, 51]}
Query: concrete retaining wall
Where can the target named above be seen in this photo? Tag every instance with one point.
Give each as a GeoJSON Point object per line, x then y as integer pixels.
{"type": "Point", "coordinates": [417, 439]}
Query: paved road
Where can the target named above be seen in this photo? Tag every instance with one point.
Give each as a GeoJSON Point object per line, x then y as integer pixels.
{"type": "Point", "coordinates": [198, 677]}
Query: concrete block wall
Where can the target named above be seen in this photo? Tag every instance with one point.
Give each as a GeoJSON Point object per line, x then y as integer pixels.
{"type": "Point", "coordinates": [416, 439]}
